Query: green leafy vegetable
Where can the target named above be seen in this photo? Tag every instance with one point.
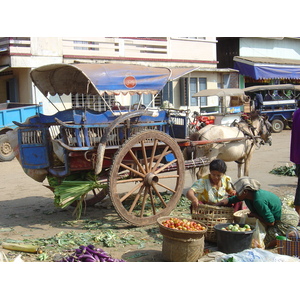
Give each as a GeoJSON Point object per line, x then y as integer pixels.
{"type": "Point", "coordinates": [73, 188]}
{"type": "Point", "coordinates": [284, 170]}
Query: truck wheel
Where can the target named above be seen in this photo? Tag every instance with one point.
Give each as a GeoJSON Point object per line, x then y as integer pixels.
{"type": "Point", "coordinates": [6, 151]}
{"type": "Point", "coordinates": [277, 125]}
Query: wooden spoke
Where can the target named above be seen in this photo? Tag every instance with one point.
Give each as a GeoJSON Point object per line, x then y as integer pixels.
{"type": "Point", "coordinates": [138, 195]}
{"type": "Point", "coordinates": [153, 153]}
{"type": "Point", "coordinates": [131, 192]}
{"type": "Point", "coordinates": [132, 170]}
{"type": "Point", "coordinates": [152, 203]}
{"type": "Point", "coordinates": [163, 154]}
{"type": "Point", "coordinates": [137, 161]}
{"type": "Point", "coordinates": [129, 180]}
{"type": "Point", "coordinates": [160, 176]}
{"type": "Point", "coordinates": [144, 202]}
{"type": "Point", "coordinates": [166, 187]}
{"type": "Point", "coordinates": [145, 156]}
{"type": "Point", "coordinates": [159, 196]}
{"type": "Point", "coordinates": [165, 166]}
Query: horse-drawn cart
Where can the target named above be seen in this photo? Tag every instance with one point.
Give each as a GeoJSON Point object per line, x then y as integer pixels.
{"type": "Point", "coordinates": [131, 153]}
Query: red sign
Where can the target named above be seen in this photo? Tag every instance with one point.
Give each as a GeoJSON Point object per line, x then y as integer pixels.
{"type": "Point", "coordinates": [130, 82]}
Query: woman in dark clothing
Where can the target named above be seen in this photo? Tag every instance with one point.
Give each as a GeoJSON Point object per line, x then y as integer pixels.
{"type": "Point", "coordinates": [265, 206]}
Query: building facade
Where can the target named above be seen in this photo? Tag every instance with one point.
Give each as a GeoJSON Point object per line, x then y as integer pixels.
{"type": "Point", "coordinates": [19, 55]}
{"type": "Point", "coordinates": [261, 60]}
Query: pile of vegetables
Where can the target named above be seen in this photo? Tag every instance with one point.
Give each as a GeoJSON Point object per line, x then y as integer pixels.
{"type": "Point", "coordinates": [73, 188]}
{"type": "Point", "coordinates": [285, 170]}
{"type": "Point", "coordinates": [90, 254]}
{"type": "Point", "coordinates": [237, 228]}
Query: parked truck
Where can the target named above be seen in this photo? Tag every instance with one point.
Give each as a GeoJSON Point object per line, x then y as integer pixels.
{"type": "Point", "coordinates": [10, 112]}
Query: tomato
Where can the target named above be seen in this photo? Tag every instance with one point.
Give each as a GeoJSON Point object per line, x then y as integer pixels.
{"type": "Point", "coordinates": [176, 223]}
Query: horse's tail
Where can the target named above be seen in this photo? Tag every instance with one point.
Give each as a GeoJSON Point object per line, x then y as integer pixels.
{"type": "Point", "coordinates": [193, 174]}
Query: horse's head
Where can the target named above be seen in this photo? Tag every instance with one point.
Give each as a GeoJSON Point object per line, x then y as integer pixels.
{"type": "Point", "coordinates": [263, 128]}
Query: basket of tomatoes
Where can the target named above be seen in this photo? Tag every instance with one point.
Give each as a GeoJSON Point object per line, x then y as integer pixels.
{"type": "Point", "coordinates": [183, 239]}
{"type": "Point", "coordinates": [181, 228]}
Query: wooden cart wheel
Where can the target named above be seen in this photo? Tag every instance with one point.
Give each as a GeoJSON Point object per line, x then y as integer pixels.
{"type": "Point", "coordinates": [93, 197]}
{"type": "Point", "coordinates": [146, 178]}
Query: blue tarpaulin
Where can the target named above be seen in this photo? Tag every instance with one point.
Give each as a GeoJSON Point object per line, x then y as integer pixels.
{"type": "Point", "coordinates": [267, 70]}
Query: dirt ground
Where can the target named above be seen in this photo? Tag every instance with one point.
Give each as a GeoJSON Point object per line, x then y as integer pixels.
{"type": "Point", "coordinates": [27, 212]}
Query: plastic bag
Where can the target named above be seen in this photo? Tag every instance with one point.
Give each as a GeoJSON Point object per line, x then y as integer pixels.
{"type": "Point", "coordinates": [258, 235]}
{"type": "Point", "coordinates": [256, 255]}
{"type": "Point", "coordinates": [3, 258]}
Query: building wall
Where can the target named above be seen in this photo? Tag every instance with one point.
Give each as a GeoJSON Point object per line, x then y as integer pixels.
{"type": "Point", "coordinates": [288, 48]}
{"type": "Point", "coordinates": [204, 49]}
{"type": "Point", "coordinates": [28, 53]}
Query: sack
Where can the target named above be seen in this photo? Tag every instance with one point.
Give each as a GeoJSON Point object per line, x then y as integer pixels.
{"type": "Point", "coordinates": [258, 235]}
{"type": "Point", "coordinates": [290, 246]}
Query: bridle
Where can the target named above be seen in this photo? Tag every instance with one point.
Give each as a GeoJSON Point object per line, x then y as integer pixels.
{"type": "Point", "coordinates": [256, 137]}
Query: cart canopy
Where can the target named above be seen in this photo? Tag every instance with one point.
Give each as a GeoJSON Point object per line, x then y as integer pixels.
{"type": "Point", "coordinates": [220, 92]}
{"type": "Point", "coordinates": [257, 88]}
{"type": "Point", "coordinates": [107, 78]}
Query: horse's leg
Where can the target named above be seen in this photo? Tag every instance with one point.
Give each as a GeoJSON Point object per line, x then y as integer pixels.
{"type": "Point", "coordinates": [247, 162]}
{"type": "Point", "coordinates": [247, 165]}
{"type": "Point", "coordinates": [239, 165]}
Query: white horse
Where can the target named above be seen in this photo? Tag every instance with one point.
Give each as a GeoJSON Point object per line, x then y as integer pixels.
{"type": "Point", "coordinates": [253, 131]}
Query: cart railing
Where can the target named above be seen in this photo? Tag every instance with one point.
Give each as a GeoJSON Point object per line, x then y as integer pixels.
{"type": "Point", "coordinates": [81, 130]}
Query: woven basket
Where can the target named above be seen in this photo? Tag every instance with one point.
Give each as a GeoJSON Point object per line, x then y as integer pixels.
{"type": "Point", "coordinates": [241, 216]}
{"type": "Point", "coordinates": [291, 246]}
{"type": "Point", "coordinates": [210, 216]}
{"type": "Point", "coordinates": [181, 245]}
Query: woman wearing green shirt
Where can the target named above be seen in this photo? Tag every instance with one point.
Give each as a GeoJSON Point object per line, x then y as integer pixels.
{"type": "Point", "coordinates": [265, 206]}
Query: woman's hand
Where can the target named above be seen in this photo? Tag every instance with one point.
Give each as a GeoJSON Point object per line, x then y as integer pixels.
{"type": "Point", "coordinates": [195, 203]}
{"type": "Point", "coordinates": [191, 196]}
{"type": "Point", "coordinates": [253, 215]}
{"type": "Point", "coordinates": [232, 193]}
{"type": "Point", "coordinates": [223, 202]}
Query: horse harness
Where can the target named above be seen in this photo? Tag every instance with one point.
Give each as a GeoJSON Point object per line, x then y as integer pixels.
{"type": "Point", "coordinates": [255, 138]}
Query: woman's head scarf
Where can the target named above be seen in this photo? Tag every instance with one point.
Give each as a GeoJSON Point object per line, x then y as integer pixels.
{"type": "Point", "coordinates": [246, 183]}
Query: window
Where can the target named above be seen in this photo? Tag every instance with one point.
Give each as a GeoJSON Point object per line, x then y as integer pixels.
{"type": "Point", "coordinates": [167, 92]}
{"type": "Point", "coordinates": [203, 86]}
{"type": "Point", "coordinates": [144, 98]}
{"type": "Point", "coordinates": [91, 101]}
{"type": "Point", "coordinates": [189, 87]}
{"type": "Point", "coordinates": [193, 90]}
{"type": "Point", "coordinates": [86, 45]}
{"type": "Point", "coordinates": [165, 95]}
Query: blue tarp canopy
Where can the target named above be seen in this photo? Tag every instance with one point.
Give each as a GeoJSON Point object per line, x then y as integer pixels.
{"type": "Point", "coordinates": [103, 78]}
{"type": "Point", "coordinates": [267, 68]}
